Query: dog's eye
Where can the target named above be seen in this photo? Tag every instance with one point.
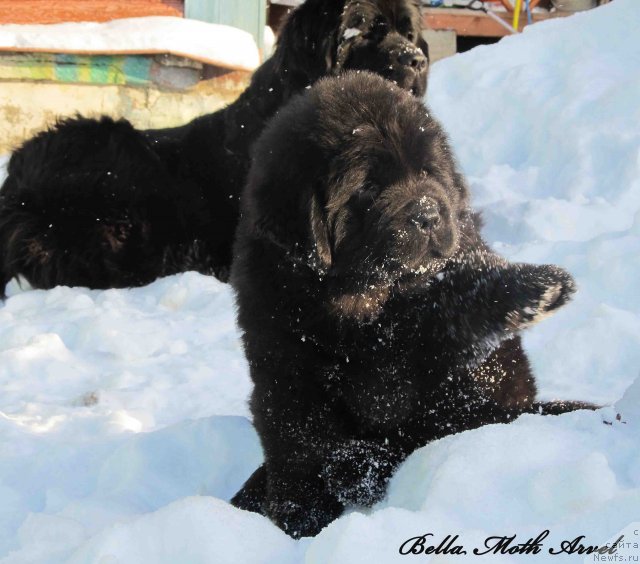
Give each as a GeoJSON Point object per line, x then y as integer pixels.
{"type": "Point", "coordinates": [380, 26]}
{"type": "Point", "coordinates": [411, 36]}
{"type": "Point", "coordinates": [365, 195]}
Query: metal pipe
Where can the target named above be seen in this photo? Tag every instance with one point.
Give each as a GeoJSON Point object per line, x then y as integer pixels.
{"type": "Point", "coordinates": [516, 14]}
{"type": "Point", "coordinates": [499, 20]}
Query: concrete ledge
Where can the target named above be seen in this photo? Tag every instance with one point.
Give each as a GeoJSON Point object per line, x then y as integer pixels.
{"type": "Point", "coordinates": [27, 107]}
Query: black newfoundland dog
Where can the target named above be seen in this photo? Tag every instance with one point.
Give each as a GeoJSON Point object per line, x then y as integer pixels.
{"type": "Point", "coordinates": [97, 203]}
{"type": "Point", "coordinates": [374, 317]}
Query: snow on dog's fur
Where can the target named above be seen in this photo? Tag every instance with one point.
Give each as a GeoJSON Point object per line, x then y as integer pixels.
{"type": "Point", "coordinates": [375, 319]}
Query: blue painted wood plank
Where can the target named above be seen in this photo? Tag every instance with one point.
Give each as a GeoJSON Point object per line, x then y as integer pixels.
{"type": "Point", "coordinates": [250, 15]}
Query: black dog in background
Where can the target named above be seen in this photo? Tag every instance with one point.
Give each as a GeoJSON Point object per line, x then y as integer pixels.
{"type": "Point", "coordinates": [374, 317]}
{"type": "Point", "coordinates": [97, 203]}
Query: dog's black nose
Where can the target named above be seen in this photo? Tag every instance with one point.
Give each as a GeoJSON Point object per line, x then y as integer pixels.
{"type": "Point", "coordinates": [413, 59]}
{"type": "Point", "coordinates": [426, 215]}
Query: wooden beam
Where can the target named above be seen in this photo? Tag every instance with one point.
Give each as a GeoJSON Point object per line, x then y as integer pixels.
{"type": "Point", "coordinates": [56, 11]}
{"type": "Point", "coordinates": [478, 24]}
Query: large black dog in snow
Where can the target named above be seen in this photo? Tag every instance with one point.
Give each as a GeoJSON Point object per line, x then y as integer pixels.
{"type": "Point", "coordinates": [374, 317]}
{"type": "Point", "coordinates": [97, 203]}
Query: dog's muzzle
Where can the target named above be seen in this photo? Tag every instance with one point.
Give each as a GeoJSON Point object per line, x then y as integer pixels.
{"type": "Point", "coordinates": [432, 220]}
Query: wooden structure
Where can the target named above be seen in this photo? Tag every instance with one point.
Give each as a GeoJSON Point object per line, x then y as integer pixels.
{"type": "Point", "coordinates": [250, 15]}
{"type": "Point", "coordinates": [462, 21]}
{"type": "Point", "coordinates": [475, 23]}
{"type": "Point", "coordinates": [56, 11]}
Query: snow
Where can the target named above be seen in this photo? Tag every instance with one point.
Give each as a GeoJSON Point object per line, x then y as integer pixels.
{"type": "Point", "coordinates": [554, 162]}
{"type": "Point", "coordinates": [123, 419]}
{"type": "Point", "coordinates": [214, 44]}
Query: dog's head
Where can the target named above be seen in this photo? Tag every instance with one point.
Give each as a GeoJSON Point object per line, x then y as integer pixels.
{"type": "Point", "coordinates": [384, 36]}
{"type": "Point", "coordinates": [357, 181]}
{"type": "Point", "coordinates": [324, 37]}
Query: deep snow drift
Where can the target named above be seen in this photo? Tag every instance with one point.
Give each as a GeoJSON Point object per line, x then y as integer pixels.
{"type": "Point", "coordinates": [123, 423]}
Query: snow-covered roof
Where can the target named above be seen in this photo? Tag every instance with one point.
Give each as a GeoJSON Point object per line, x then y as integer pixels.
{"type": "Point", "coordinates": [215, 44]}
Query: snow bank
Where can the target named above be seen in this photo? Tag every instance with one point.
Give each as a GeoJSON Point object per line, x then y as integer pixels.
{"type": "Point", "coordinates": [191, 530]}
{"type": "Point", "coordinates": [214, 44]}
{"type": "Point", "coordinates": [572, 475]}
{"type": "Point", "coordinates": [545, 125]}
{"type": "Point", "coordinates": [98, 388]}
{"type": "Point", "coordinates": [123, 417]}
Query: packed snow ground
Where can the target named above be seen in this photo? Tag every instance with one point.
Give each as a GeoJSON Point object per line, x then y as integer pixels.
{"type": "Point", "coordinates": [123, 416]}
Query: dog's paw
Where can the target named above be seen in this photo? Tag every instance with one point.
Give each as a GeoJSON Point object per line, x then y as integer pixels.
{"type": "Point", "coordinates": [303, 519]}
{"type": "Point", "coordinates": [538, 291]}
{"type": "Point", "coordinates": [358, 472]}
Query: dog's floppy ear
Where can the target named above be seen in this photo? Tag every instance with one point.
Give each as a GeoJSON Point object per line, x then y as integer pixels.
{"type": "Point", "coordinates": [423, 46]}
{"type": "Point", "coordinates": [320, 230]}
{"type": "Point", "coordinates": [272, 210]}
{"type": "Point", "coordinates": [424, 78]}
{"type": "Point", "coordinates": [283, 201]}
{"type": "Point", "coordinates": [293, 221]}
{"type": "Point", "coordinates": [287, 212]}
{"type": "Point", "coordinates": [307, 42]}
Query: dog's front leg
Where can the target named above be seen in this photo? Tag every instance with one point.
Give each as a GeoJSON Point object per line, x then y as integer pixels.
{"type": "Point", "coordinates": [253, 493]}
{"type": "Point", "coordinates": [477, 306]}
{"type": "Point", "coordinates": [297, 499]}
{"type": "Point", "coordinates": [357, 471]}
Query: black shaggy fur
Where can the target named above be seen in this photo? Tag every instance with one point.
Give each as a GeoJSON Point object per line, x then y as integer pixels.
{"type": "Point", "coordinates": [129, 206]}
{"type": "Point", "coordinates": [374, 317]}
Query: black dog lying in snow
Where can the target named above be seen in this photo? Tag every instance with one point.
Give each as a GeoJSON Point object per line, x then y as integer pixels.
{"type": "Point", "coordinates": [375, 319]}
{"type": "Point", "coordinates": [96, 203]}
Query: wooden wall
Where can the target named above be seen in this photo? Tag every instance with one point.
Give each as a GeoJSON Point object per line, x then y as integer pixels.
{"type": "Point", "coordinates": [55, 11]}
{"type": "Point", "coordinates": [250, 15]}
